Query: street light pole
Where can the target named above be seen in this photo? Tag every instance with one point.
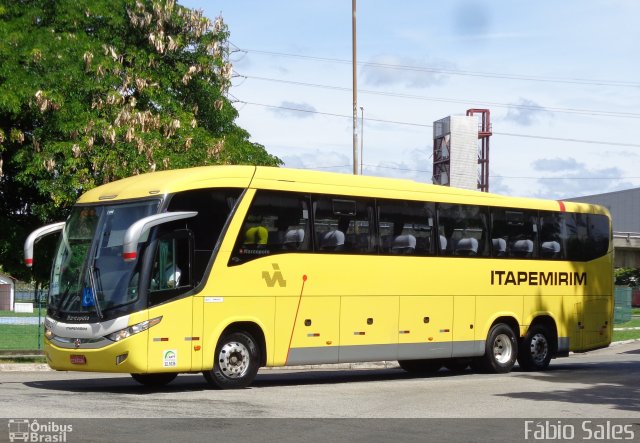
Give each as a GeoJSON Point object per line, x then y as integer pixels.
{"type": "Point", "coordinates": [361, 137]}
{"type": "Point", "coordinates": [355, 90]}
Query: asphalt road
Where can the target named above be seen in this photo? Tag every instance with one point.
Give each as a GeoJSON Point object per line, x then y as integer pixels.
{"type": "Point", "coordinates": [601, 384]}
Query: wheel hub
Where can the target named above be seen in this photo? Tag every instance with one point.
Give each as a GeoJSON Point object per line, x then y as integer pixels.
{"type": "Point", "coordinates": [234, 359]}
{"type": "Point", "coordinates": [502, 349]}
{"type": "Point", "coordinates": [539, 348]}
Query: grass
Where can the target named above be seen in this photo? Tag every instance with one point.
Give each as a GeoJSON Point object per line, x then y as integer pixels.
{"type": "Point", "coordinates": [627, 335]}
{"type": "Point", "coordinates": [43, 313]}
{"type": "Point", "coordinates": [633, 323]}
{"type": "Point", "coordinates": [16, 359]}
{"type": "Point", "coordinates": [23, 337]}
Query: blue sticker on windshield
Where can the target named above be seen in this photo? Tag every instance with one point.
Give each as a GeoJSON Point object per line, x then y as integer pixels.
{"type": "Point", "coordinates": [87, 298]}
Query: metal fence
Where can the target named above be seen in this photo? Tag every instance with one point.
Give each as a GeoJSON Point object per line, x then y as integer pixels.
{"type": "Point", "coordinates": [22, 329]}
{"type": "Point", "coordinates": [622, 312]}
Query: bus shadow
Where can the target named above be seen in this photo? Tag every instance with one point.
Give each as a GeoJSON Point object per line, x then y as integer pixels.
{"type": "Point", "coordinates": [335, 376]}
{"type": "Point", "coordinates": [265, 379]}
{"type": "Point", "coordinates": [118, 385]}
{"type": "Point", "coordinates": [606, 382]}
{"type": "Point", "coordinates": [610, 384]}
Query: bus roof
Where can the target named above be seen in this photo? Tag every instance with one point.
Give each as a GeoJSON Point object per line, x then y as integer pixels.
{"type": "Point", "coordinates": [300, 180]}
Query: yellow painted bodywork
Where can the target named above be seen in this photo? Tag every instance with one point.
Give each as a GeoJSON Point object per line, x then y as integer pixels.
{"type": "Point", "coordinates": [104, 359]}
{"type": "Point", "coordinates": [333, 300]}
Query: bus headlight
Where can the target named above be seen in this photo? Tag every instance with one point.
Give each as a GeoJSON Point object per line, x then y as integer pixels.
{"type": "Point", "coordinates": [132, 330]}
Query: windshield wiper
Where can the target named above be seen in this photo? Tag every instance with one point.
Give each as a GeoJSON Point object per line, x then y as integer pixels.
{"type": "Point", "coordinates": [63, 298]}
{"type": "Point", "coordinates": [94, 294]}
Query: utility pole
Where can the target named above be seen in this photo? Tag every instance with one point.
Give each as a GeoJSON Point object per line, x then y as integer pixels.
{"type": "Point", "coordinates": [361, 137]}
{"type": "Point", "coordinates": [355, 90]}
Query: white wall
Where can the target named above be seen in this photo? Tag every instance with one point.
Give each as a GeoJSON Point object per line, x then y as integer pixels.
{"type": "Point", "coordinates": [464, 152]}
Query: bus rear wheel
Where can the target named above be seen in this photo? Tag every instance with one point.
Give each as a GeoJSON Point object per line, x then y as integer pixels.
{"type": "Point", "coordinates": [420, 366]}
{"type": "Point", "coordinates": [501, 350]}
{"type": "Point", "coordinates": [535, 350]}
{"type": "Point", "coordinates": [236, 362]}
{"type": "Point", "coordinates": [155, 380]}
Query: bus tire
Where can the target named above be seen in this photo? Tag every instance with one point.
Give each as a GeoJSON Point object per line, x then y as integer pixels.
{"type": "Point", "coordinates": [501, 350]}
{"type": "Point", "coordinates": [535, 349]}
{"type": "Point", "coordinates": [236, 361]}
{"type": "Point", "coordinates": [420, 366]}
{"type": "Point", "coordinates": [155, 380]}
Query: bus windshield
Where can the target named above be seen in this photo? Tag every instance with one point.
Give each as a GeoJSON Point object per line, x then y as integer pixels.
{"type": "Point", "coordinates": [88, 266]}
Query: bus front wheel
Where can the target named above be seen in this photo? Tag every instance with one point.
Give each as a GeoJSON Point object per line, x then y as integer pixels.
{"type": "Point", "coordinates": [155, 380]}
{"type": "Point", "coordinates": [236, 362]}
{"type": "Point", "coordinates": [535, 352]}
{"type": "Point", "coordinates": [501, 350]}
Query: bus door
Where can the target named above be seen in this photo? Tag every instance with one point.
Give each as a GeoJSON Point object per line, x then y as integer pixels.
{"type": "Point", "coordinates": [171, 341]}
{"type": "Point", "coordinates": [464, 319]}
{"type": "Point", "coordinates": [596, 321]}
{"type": "Point", "coordinates": [425, 327]}
{"type": "Point", "coordinates": [368, 328]}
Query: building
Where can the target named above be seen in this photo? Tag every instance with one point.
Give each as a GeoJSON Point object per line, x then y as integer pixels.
{"type": "Point", "coordinates": [7, 292]}
{"type": "Point", "coordinates": [625, 212]}
{"type": "Point", "coordinates": [455, 152]}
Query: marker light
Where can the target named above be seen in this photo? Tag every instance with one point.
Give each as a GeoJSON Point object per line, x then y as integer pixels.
{"type": "Point", "coordinates": [132, 330]}
{"type": "Point", "coordinates": [121, 358]}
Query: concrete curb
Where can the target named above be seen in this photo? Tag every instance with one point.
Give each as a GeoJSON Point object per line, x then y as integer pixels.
{"type": "Point", "coordinates": [24, 367]}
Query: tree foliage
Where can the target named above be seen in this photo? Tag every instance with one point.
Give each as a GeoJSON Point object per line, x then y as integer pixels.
{"type": "Point", "coordinates": [627, 276]}
{"type": "Point", "coordinates": [96, 90]}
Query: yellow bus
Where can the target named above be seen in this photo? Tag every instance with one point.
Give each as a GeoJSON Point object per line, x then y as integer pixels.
{"type": "Point", "coordinates": [226, 269]}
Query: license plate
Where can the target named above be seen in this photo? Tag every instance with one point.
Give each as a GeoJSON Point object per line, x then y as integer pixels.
{"type": "Point", "coordinates": [78, 360]}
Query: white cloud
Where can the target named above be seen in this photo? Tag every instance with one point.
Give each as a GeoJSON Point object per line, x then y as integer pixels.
{"type": "Point", "coordinates": [326, 160]}
{"type": "Point", "coordinates": [577, 179]}
{"type": "Point", "coordinates": [293, 109]}
{"type": "Point", "coordinates": [385, 70]}
{"type": "Point", "coordinates": [498, 186]}
{"type": "Point", "coordinates": [472, 18]}
{"type": "Point", "coordinates": [525, 112]}
{"type": "Point", "coordinates": [557, 164]}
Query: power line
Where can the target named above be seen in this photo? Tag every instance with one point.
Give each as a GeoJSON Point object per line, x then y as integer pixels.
{"type": "Point", "coordinates": [510, 177]}
{"type": "Point", "coordinates": [439, 70]}
{"type": "Point", "coordinates": [449, 100]}
{"type": "Point", "coordinates": [422, 125]}
{"type": "Point", "coordinates": [564, 178]}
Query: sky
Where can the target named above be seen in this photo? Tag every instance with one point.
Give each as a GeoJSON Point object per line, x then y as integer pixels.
{"type": "Point", "coordinates": [561, 80]}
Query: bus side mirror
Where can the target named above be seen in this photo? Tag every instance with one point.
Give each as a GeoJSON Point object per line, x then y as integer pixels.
{"type": "Point", "coordinates": [139, 228]}
{"type": "Point", "coordinates": [37, 235]}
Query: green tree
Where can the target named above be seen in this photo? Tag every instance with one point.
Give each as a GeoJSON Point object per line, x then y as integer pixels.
{"type": "Point", "coordinates": [96, 90]}
{"type": "Point", "coordinates": [627, 276]}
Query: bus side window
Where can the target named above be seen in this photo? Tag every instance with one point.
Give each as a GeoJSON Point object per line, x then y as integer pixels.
{"type": "Point", "coordinates": [276, 223]}
{"type": "Point", "coordinates": [577, 236]}
{"type": "Point", "coordinates": [587, 236]}
{"type": "Point", "coordinates": [463, 229]}
{"type": "Point", "coordinates": [213, 207]}
{"type": "Point", "coordinates": [171, 267]}
{"type": "Point", "coordinates": [406, 227]}
{"type": "Point", "coordinates": [598, 235]}
{"type": "Point", "coordinates": [345, 225]}
{"type": "Point", "coordinates": [513, 233]}
{"type": "Point", "coordinates": [552, 236]}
